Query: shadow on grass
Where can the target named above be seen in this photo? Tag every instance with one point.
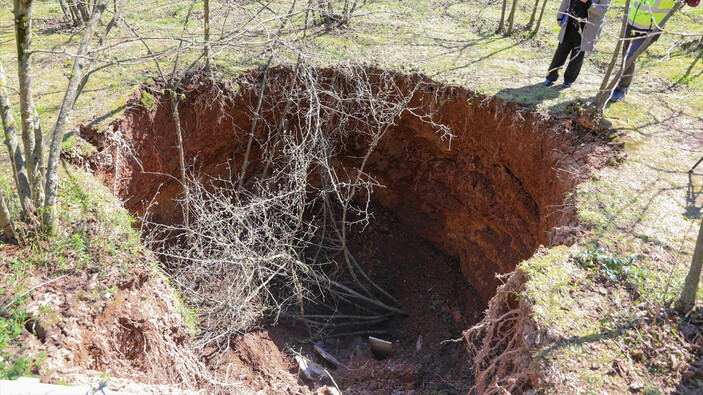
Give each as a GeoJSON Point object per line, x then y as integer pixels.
{"type": "Point", "coordinates": [482, 58]}
{"type": "Point", "coordinates": [611, 333]}
{"type": "Point", "coordinates": [106, 116]}
{"type": "Point", "coordinates": [530, 94]}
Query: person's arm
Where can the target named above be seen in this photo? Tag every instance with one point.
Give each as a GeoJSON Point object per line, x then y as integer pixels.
{"type": "Point", "coordinates": [600, 7]}
{"type": "Point", "coordinates": [563, 12]}
{"type": "Point", "coordinates": [563, 7]}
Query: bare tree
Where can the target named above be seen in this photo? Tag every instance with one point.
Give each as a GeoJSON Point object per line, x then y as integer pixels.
{"type": "Point", "coordinates": [206, 33]}
{"type": "Point", "coordinates": [325, 9]}
{"type": "Point", "coordinates": [539, 19]}
{"type": "Point", "coordinates": [688, 295]}
{"type": "Point", "coordinates": [28, 163]}
{"type": "Point", "coordinates": [511, 18]}
{"type": "Point", "coordinates": [533, 15]}
{"type": "Point", "coordinates": [502, 17]}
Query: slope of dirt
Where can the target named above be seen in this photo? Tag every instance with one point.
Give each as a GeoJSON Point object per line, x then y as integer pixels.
{"type": "Point", "coordinates": [94, 326]}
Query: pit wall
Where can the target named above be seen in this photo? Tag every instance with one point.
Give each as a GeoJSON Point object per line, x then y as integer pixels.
{"type": "Point", "coordinates": [490, 197]}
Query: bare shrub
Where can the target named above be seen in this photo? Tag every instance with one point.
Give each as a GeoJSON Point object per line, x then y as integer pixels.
{"type": "Point", "coordinates": [270, 239]}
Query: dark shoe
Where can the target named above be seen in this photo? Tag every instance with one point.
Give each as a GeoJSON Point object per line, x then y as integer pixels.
{"type": "Point", "coordinates": [548, 82]}
{"type": "Point", "coordinates": [566, 84]}
{"type": "Point", "coordinates": [617, 95]}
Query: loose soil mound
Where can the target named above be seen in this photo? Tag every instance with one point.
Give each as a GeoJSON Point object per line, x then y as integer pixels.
{"type": "Point", "coordinates": [94, 326]}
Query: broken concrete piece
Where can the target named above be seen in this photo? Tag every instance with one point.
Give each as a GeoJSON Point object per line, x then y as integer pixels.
{"type": "Point", "coordinates": [32, 386]}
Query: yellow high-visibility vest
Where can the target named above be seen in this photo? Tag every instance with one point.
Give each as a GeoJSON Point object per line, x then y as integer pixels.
{"type": "Point", "coordinates": [648, 14]}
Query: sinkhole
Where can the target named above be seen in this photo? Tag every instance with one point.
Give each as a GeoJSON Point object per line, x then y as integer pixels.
{"type": "Point", "coordinates": [444, 189]}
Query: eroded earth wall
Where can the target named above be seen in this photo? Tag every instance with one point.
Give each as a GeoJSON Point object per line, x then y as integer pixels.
{"type": "Point", "coordinates": [490, 196]}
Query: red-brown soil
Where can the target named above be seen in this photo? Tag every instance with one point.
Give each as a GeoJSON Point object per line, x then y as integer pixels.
{"type": "Point", "coordinates": [491, 198]}
{"type": "Point", "coordinates": [99, 324]}
{"type": "Point", "coordinates": [447, 215]}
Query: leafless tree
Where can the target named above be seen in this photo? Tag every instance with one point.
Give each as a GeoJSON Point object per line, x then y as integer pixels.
{"type": "Point", "coordinates": [36, 181]}
{"type": "Point", "coordinates": [511, 18]}
{"type": "Point", "coordinates": [539, 19]}
{"type": "Point", "coordinates": [690, 290]}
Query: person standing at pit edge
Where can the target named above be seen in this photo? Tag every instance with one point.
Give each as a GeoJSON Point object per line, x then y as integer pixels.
{"type": "Point", "coordinates": [581, 22]}
{"type": "Point", "coordinates": [644, 19]}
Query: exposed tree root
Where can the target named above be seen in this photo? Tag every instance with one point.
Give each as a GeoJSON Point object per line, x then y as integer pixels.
{"type": "Point", "coordinates": [500, 344]}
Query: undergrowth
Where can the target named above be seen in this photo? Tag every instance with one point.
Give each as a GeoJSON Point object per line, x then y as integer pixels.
{"type": "Point", "coordinates": [97, 237]}
{"type": "Point", "coordinates": [611, 266]}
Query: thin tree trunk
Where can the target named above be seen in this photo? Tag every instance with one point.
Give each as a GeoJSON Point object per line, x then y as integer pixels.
{"type": "Point", "coordinates": [690, 289]}
{"type": "Point", "coordinates": [181, 156]}
{"type": "Point", "coordinates": [83, 10]}
{"type": "Point", "coordinates": [245, 163]}
{"type": "Point", "coordinates": [602, 95]}
{"type": "Point", "coordinates": [19, 169]}
{"type": "Point", "coordinates": [605, 94]}
{"type": "Point", "coordinates": [539, 20]}
{"type": "Point", "coordinates": [113, 22]}
{"type": "Point", "coordinates": [502, 17]}
{"type": "Point", "coordinates": [5, 220]}
{"type": "Point", "coordinates": [32, 138]}
{"type": "Point", "coordinates": [533, 16]}
{"type": "Point", "coordinates": [52, 177]}
{"type": "Point", "coordinates": [66, 10]}
{"type": "Point", "coordinates": [75, 15]}
{"type": "Point", "coordinates": [511, 18]}
{"type": "Point", "coordinates": [206, 29]}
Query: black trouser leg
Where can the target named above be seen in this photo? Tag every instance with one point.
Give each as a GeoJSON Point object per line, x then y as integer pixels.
{"type": "Point", "coordinates": [559, 59]}
{"type": "Point", "coordinates": [636, 39]}
{"type": "Point", "coordinates": [574, 67]}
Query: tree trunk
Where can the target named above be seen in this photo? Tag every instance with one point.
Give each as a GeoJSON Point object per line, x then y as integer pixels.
{"type": "Point", "coordinates": [83, 10]}
{"type": "Point", "coordinates": [206, 6]}
{"type": "Point", "coordinates": [5, 219]}
{"type": "Point", "coordinates": [75, 15]}
{"type": "Point", "coordinates": [181, 156]}
{"type": "Point", "coordinates": [32, 138]}
{"type": "Point", "coordinates": [19, 169]}
{"type": "Point", "coordinates": [690, 289]}
{"type": "Point", "coordinates": [52, 177]}
{"type": "Point", "coordinates": [511, 18]}
{"type": "Point", "coordinates": [602, 95]}
{"type": "Point", "coordinates": [605, 93]}
{"type": "Point", "coordinates": [66, 10]}
{"type": "Point", "coordinates": [533, 16]}
{"type": "Point", "coordinates": [103, 38]}
{"type": "Point", "coordinates": [539, 20]}
{"type": "Point", "coordinates": [502, 17]}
